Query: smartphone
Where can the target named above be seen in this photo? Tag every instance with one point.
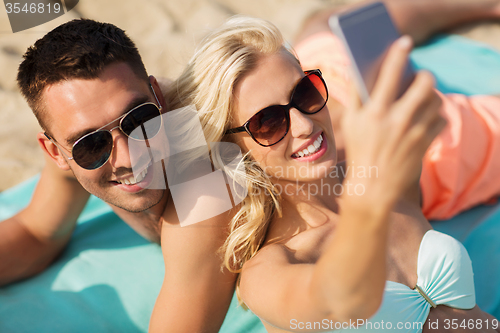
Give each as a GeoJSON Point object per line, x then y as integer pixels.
{"type": "Point", "coordinates": [367, 33]}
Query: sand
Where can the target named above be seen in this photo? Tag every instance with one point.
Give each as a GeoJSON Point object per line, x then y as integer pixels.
{"type": "Point", "coordinates": [165, 31]}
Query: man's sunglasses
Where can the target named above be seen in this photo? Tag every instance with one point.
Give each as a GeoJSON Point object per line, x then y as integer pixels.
{"type": "Point", "coordinates": [271, 124]}
{"type": "Point", "coordinates": [93, 150]}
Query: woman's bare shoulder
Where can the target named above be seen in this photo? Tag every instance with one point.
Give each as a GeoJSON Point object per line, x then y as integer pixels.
{"type": "Point", "coordinates": [303, 248]}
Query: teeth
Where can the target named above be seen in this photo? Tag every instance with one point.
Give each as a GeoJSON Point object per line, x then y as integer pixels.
{"type": "Point", "coordinates": [131, 180]}
{"type": "Point", "coordinates": [311, 149]}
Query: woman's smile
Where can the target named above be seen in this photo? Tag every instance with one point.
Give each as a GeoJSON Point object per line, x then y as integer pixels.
{"type": "Point", "coordinates": [312, 150]}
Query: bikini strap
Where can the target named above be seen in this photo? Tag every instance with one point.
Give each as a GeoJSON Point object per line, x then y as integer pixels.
{"type": "Point", "coordinates": [425, 296]}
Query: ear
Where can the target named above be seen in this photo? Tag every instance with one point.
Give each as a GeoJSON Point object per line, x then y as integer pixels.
{"type": "Point", "coordinates": [51, 150]}
{"type": "Point", "coordinates": [157, 86]}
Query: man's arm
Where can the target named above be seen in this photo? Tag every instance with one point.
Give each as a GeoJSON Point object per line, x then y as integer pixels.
{"type": "Point", "coordinates": [418, 18]}
{"type": "Point", "coordinates": [33, 238]}
{"type": "Point", "coordinates": [196, 292]}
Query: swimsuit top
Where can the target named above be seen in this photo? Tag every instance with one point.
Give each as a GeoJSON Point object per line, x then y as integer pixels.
{"type": "Point", "coordinates": [445, 277]}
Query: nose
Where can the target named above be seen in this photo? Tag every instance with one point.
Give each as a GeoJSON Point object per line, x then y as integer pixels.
{"type": "Point", "coordinates": [120, 157]}
{"type": "Point", "coordinates": [300, 124]}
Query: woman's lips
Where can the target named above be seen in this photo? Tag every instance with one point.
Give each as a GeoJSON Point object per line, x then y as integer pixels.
{"type": "Point", "coordinates": [313, 151]}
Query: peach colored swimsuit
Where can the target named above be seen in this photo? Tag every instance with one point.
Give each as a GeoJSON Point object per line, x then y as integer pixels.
{"type": "Point", "coordinates": [461, 168]}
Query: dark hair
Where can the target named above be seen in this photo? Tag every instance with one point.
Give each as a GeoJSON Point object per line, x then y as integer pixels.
{"type": "Point", "coordinates": [79, 49]}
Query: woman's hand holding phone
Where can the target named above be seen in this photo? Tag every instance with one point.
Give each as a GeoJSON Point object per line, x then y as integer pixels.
{"type": "Point", "coordinates": [392, 134]}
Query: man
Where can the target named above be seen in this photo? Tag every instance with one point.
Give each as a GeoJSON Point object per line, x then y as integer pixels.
{"type": "Point", "coordinates": [85, 82]}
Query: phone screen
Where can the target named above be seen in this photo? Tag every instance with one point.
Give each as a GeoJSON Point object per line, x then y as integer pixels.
{"type": "Point", "coordinates": [368, 32]}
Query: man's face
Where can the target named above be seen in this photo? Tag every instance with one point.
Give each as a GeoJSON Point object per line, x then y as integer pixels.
{"type": "Point", "coordinates": [77, 106]}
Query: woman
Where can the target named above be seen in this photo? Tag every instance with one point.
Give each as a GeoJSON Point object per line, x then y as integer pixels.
{"type": "Point", "coordinates": [324, 258]}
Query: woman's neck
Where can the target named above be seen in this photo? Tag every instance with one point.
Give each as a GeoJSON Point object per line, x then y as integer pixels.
{"type": "Point", "coordinates": [318, 192]}
{"type": "Point", "coordinates": [307, 204]}
{"type": "Point", "coordinates": [322, 192]}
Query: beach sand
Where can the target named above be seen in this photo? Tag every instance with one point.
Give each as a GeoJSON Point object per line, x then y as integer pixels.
{"type": "Point", "coordinates": [166, 33]}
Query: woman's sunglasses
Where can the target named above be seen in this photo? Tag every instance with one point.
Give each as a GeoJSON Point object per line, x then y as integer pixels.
{"type": "Point", "coordinates": [93, 150]}
{"type": "Point", "coordinates": [271, 124]}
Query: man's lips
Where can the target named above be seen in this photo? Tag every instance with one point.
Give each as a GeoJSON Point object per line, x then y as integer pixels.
{"type": "Point", "coordinates": [132, 178]}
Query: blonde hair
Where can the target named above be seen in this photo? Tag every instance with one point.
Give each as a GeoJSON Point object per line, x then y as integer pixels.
{"type": "Point", "coordinates": [208, 82]}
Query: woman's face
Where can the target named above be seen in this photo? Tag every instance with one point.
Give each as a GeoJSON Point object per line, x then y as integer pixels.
{"type": "Point", "coordinates": [297, 156]}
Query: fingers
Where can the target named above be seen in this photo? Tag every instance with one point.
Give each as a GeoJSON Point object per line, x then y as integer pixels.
{"type": "Point", "coordinates": [421, 136]}
{"type": "Point", "coordinates": [354, 100]}
{"type": "Point", "coordinates": [433, 116]}
{"type": "Point", "coordinates": [420, 98]}
{"type": "Point", "coordinates": [421, 91]}
{"type": "Point", "coordinates": [391, 72]}
{"type": "Point", "coordinates": [421, 105]}
{"type": "Point", "coordinates": [436, 126]}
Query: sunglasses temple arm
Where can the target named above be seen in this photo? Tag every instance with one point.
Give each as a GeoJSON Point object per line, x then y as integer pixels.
{"type": "Point", "coordinates": [236, 130]}
{"type": "Point", "coordinates": [156, 98]}
{"type": "Point", "coordinates": [60, 148]}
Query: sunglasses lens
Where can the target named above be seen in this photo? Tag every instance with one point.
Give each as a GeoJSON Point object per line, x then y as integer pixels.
{"type": "Point", "coordinates": [93, 150]}
{"type": "Point", "coordinates": [141, 117]}
{"type": "Point", "coordinates": [269, 125]}
{"type": "Point", "coordinates": [311, 94]}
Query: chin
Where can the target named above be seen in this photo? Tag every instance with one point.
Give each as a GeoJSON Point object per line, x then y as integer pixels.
{"type": "Point", "coordinates": [136, 203]}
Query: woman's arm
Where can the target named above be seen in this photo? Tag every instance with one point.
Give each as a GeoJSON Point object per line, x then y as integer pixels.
{"type": "Point", "coordinates": [348, 280]}
{"type": "Point", "coordinates": [418, 18]}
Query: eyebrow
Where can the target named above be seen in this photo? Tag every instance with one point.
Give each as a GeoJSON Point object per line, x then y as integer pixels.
{"type": "Point", "coordinates": [134, 103]}
{"type": "Point", "coordinates": [289, 98]}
